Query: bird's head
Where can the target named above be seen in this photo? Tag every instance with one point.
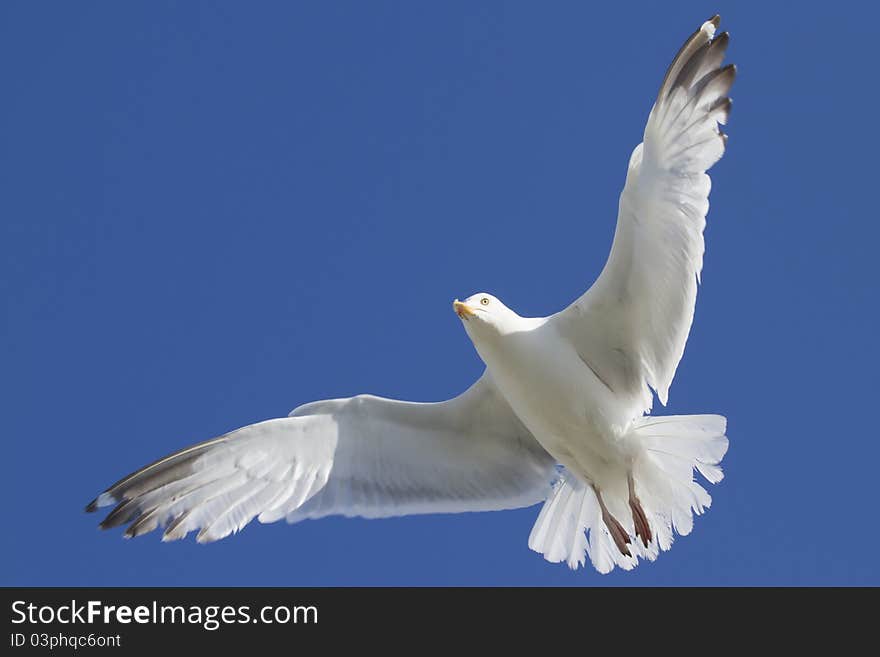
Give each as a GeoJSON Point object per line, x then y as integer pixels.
{"type": "Point", "coordinates": [484, 314]}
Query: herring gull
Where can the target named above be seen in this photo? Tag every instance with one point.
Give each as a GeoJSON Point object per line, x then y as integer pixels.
{"type": "Point", "coordinates": [561, 414]}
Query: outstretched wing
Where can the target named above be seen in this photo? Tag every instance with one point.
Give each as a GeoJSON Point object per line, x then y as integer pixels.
{"type": "Point", "coordinates": [363, 456]}
{"type": "Point", "coordinates": [632, 324]}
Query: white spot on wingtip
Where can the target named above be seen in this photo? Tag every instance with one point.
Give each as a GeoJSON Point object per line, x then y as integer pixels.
{"type": "Point", "coordinates": [709, 29]}
{"type": "Point", "coordinates": [104, 499]}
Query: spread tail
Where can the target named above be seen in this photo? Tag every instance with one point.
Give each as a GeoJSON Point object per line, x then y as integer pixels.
{"type": "Point", "coordinates": [570, 525]}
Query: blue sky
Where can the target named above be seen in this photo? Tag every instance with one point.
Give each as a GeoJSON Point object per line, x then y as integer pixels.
{"type": "Point", "coordinates": [207, 209]}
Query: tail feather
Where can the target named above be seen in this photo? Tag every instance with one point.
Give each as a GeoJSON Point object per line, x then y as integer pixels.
{"type": "Point", "coordinates": [570, 526]}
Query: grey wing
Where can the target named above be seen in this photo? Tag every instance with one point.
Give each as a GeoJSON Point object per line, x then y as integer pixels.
{"type": "Point", "coordinates": [362, 456]}
{"type": "Point", "coordinates": [633, 323]}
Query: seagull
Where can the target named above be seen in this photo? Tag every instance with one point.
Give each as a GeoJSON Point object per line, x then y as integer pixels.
{"type": "Point", "coordinates": [560, 416]}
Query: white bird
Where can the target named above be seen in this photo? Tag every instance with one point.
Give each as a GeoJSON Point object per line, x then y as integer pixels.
{"type": "Point", "coordinates": [559, 416]}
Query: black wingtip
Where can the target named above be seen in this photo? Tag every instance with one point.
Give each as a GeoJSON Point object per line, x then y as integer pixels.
{"type": "Point", "coordinates": [728, 71]}
{"type": "Point", "coordinates": [720, 109]}
{"type": "Point", "coordinates": [92, 506]}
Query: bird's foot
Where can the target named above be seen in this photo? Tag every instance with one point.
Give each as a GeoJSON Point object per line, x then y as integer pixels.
{"type": "Point", "coordinates": [640, 520]}
{"type": "Point", "coordinates": [618, 533]}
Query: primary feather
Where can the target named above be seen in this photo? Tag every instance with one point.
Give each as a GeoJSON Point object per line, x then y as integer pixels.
{"type": "Point", "coordinates": [364, 456]}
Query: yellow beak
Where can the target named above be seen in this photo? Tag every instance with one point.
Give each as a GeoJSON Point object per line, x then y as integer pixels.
{"type": "Point", "coordinates": [462, 309]}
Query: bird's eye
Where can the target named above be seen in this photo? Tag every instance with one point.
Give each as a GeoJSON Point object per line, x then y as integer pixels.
{"type": "Point", "coordinates": [484, 301]}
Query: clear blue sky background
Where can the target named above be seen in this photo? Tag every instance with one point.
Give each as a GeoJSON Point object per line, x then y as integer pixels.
{"type": "Point", "coordinates": [207, 210]}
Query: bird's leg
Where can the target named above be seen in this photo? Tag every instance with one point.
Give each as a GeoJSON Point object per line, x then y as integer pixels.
{"type": "Point", "coordinates": [640, 520]}
{"type": "Point", "coordinates": [618, 533]}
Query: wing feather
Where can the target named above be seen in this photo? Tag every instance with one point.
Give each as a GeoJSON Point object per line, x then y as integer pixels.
{"type": "Point", "coordinates": [633, 323]}
{"type": "Point", "coordinates": [363, 456]}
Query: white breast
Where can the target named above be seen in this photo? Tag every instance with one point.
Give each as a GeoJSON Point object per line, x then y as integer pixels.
{"type": "Point", "coordinates": [568, 409]}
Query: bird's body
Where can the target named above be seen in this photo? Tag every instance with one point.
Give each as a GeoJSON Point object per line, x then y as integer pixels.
{"type": "Point", "coordinates": [569, 390]}
{"type": "Point", "coordinates": [553, 391]}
